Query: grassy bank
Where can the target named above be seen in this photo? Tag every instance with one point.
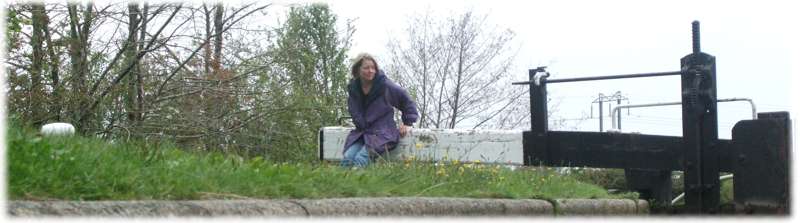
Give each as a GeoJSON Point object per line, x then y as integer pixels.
{"type": "Point", "coordinates": [78, 168]}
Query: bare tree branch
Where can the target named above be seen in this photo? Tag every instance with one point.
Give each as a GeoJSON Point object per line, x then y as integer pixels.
{"type": "Point", "coordinates": [206, 41]}
{"type": "Point", "coordinates": [128, 69]}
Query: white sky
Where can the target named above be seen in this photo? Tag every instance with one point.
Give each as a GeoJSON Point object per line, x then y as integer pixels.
{"type": "Point", "coordinates": [754, 44]}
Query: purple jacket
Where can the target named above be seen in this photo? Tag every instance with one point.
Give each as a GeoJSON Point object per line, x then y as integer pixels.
{"type": "Point", "coordinates": [373, 114]}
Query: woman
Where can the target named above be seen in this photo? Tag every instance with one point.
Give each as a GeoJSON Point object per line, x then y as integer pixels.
{"type": "Point", "coordinates": [371, 98]}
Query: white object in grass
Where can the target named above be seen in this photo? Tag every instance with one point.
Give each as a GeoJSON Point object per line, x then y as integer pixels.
{"type": "Point", "coordinates": [58, 129]}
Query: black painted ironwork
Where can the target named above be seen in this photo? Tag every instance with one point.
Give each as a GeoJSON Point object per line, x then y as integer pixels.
{"type": "Point", "coordinates": [610, 77]}
{"type": "Point", "coordinates": [538, 131]}
{"type": "Point", "coordinates": [699, 102]}
{"type": "Point", "coordinates": [699, 153]}
{"type": "Point", "coordinates": [762, 163]}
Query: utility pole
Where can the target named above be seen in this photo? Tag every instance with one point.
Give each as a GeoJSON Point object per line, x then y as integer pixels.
{"type": "Point", "coordinates": [603, 98]}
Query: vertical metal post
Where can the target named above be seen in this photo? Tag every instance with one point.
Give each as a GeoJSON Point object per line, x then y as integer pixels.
{"type": "Point", "coordinates": [700, 138]}
{"type": "Point", "coordinates": [600, 100]}
{"type": "Point", "coordinates": [540, 106]}
{"type": "Point", "coordinates": [619, 116]}
{"type": "Point", "coordinates": [696, 37]}
{"type": "Point", "coordinates": [535, 141]}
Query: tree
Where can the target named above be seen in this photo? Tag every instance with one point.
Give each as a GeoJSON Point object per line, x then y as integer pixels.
{"type": "Point", "coordinates": [130, 97]}
{"type": "Point", "coordinates": [311, 56]}
{"type": "Point", "coordinates": [122, 71]}
{"type": "Point", "coordinates": [57, 95]}
{"type": "Point", "coordinates": [79, 31]}
{"type": "Point", "coordinates": [456, 68]}
{"type": "Point", "coordinates": [36, 91]}
{"type": "Point", "coordinates": [415, 62]}
{"type": "Point", "coordinates": [199, 99]}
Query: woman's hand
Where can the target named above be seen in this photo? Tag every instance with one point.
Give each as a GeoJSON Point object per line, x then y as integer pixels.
{"type": "Point", "coordinates": [404, 129]}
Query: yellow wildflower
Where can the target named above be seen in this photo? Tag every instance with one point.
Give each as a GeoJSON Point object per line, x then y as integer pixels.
{"type": "Point", "coordinates": [441, 172]}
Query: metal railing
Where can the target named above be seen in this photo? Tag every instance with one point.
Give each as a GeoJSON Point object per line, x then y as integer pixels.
{"type": "Point", "coordinates": [616, 123]}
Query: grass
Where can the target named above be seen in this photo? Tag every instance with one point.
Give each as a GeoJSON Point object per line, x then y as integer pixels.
{"type": "Point", "coordinates": [79, 168]}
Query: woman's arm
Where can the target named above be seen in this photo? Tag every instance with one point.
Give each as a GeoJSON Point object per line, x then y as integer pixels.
{"type": "Point", "coordinates": [402, 101]}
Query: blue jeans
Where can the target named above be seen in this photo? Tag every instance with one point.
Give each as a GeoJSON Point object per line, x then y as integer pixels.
{"type": "Point", "coordinates": [356, 155]}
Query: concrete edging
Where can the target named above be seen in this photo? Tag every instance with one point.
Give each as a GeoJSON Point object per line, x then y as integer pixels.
{"type": "Point", "coordinates": [600, 206]}
{"type": "Point", "coordinates": [390, 206]}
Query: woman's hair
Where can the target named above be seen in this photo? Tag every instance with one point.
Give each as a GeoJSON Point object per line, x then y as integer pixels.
{"type": "Point", "coordinates": [358, 61]}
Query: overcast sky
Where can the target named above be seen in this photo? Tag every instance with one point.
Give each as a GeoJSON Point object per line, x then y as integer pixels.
{"type": "Point", "coordinates": [754, 44]}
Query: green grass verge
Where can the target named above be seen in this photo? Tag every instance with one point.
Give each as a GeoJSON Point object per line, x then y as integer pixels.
{"type": "Point", "coordinates": [79, 168]}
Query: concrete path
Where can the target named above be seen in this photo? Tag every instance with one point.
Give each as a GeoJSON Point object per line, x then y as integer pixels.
{"type": "Point", "coordinates": [400, 206]}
